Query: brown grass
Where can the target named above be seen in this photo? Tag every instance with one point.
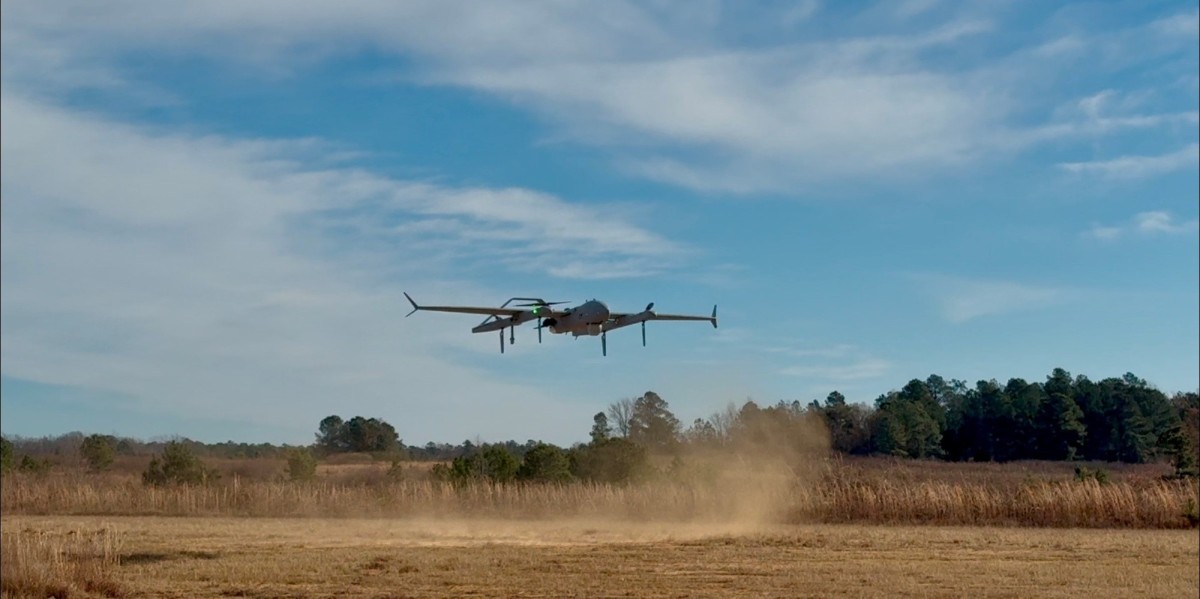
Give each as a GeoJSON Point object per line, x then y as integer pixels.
{"type": "Point", "coordinates": [713, 527]}
{"type": "Point", "coordinates": [837, 491]}
{"type": "Point", "coordinates": [347, 557]}
{"type": "Point", "coordinates": [76, 562]}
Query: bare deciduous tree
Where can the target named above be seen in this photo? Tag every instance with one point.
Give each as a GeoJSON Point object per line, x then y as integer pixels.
{"type": "Point", "coordinates": [619, 413]}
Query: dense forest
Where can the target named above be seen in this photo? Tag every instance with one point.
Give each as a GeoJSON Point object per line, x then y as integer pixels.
{"type": "Point", "coordinates": [1063, 418]}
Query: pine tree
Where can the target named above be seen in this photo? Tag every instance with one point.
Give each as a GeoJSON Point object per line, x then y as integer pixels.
{"type": "Point", "coordinates": [1060, 428]}
{"type": "Point", "coordinates": [651, 423]}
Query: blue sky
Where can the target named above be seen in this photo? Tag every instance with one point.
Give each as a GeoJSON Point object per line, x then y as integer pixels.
{"type": "Point", "coordinates": [210, 210]}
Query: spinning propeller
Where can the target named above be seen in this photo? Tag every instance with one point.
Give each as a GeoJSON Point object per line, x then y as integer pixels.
{"type": "Point", "coordinates": [537, 305]}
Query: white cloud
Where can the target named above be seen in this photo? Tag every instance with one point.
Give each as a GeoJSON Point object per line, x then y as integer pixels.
{"type": "Point", "coordinates": [1152, 223]}
{"type": "Point", "coordinates": [1109, 111]}
{"type": "Point", "coordinates": [840, 350]}
{"type": "Point", "coordinates": [1104, 233]}
{"type": "Point", "coordinates": [748, 120]}
{"type": "Point", "coordinates": [800, 11]}
{"type": "Point", "coordinates": [1184, 25]}
{"type": "Point", "coordinates": [687, 109]}
{"type": "Point", "coordinates": [204, 276]}
{"type": "Point", "coordinates": [963, 299]}
{"type": "Point", "coordinates": [839, 363]}
{"type": "Point", "coordinates": [911, 8]}
{"type": "Point", "coordinates": [865, 369]}
{"type": "Point", "coordinates": [1161, 222]}
{"type": "Point", "coordinates": [1134, 167]}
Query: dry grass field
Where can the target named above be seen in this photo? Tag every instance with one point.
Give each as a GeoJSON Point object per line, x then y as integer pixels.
{"type": "Point", "coordinates": [318, 557]}
{"type": "Point", "coordinates": [836, 491]}
{"type": "Point", "coordinates": [842, 527]}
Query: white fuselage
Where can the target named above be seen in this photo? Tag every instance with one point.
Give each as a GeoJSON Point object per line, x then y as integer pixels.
{"type": "Point", "coordinates": [587, 318]}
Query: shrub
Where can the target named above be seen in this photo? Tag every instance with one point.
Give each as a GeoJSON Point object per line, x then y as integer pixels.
{"type": "Point", "coordinates": [1083, 473]}
{"type": "Point", "coordinates": [545, 463]}
{"type": "Point", "coordinates": [99, 451]}
{"type": "Point", "coordinates": [6, 455]}
{"type": "Point", "coordinates": [301, 464]}
{"type": "Point", "coordinates": [610, 461]}
{"type": "Point", "coordinates": [33, 465]}
{"type": "Point", "coordinates": [395, 472]}
{"type": "Point", "coordinates": [494, 463]}
{"type": "Point", "coordinates": [177, 466]}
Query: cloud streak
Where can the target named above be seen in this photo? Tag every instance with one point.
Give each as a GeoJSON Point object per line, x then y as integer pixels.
{"type": "Point", "coordinates": [691, 110]}
{"type": "Point", "coordinates": [1149, 224]}
{"type": "Point", "coordinates": [961, 299]}
{"type": "Point", "coordinates": [1137, 167]}
{"type": "Point", "coordinates": [865, 369]}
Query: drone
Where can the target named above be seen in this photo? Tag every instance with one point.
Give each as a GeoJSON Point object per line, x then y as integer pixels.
{"type": "Point", "coordinates": [591, 318]}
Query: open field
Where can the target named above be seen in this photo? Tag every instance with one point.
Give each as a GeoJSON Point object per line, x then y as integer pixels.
{"type": "Point", "coordinates": [315, 557]}
{"type": "Point", "coordinates": [843, 527]}
{"type": "Point", "coordinates": [867, 491]}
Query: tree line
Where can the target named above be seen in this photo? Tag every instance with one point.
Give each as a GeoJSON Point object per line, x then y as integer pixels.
{"type": "Point", "coordinates": [1062, 418]}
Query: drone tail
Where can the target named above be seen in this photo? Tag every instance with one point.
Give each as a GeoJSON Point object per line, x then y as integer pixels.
{"type": "Point", "coordinates": [414, 305]}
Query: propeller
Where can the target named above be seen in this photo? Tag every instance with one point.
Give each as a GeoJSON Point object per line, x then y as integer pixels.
{"type": "Point", "coordinates": [543, 323]}
{"type": "Point", "coordinates": [537, 306]}
{"type": "Point", "coordinates": [649, 307]}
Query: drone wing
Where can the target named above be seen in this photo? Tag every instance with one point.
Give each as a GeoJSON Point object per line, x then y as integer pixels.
{"type": "Point", "coordinates": [464, 309]}
{"type": "Point", "coordinates": [711, 319]}
{"type": "Point", "coordinates": [625, 318]}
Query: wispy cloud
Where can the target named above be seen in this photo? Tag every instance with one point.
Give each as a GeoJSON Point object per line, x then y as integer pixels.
{"type": "Point", "coordinates": [1112, 110]}
{"type": "Point", "coordinates": [865, 369]}
{"type": "Point", "coordinates": [1159, 222]}
{"type": "Point", "coordinates": [520, 229]}
{"type": "Point", "coordinates": [840, 350]}
{"type": "Point", "coordinates": [799, 12]}
{"type": "Point", "coordinates": [1104, 232]}
{"type": "Point", "coordinates": [690, 110]}
{"type": "Point", "coordinates": [1184, 24]}
{"type": "Point", "coordinates": [815, 111]}
{"type": "Point", "coordinates": [1134, 167]}
{"type": "Point", "coordinates": [1153, 223]}
{"type": "Point", "coordinates": [962, 299]}
{"type": "Point", "coordinates": [912, 8]}
{"type": "Point", "coordinates": [839, 363]}
{"type": "Point", "coordinates": [251, 279]}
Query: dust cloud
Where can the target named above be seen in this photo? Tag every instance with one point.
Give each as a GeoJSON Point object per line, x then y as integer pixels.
{"type": "Point", "coordinates": [758, 478]}
{"type": "Point", "coordinates": [752, 484]}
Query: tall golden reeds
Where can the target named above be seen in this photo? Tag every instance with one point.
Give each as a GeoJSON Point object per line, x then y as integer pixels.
{"type": "Point", "coordinates": [78, 563]}
{"type": "Point", "coordinates": [846, 495]}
